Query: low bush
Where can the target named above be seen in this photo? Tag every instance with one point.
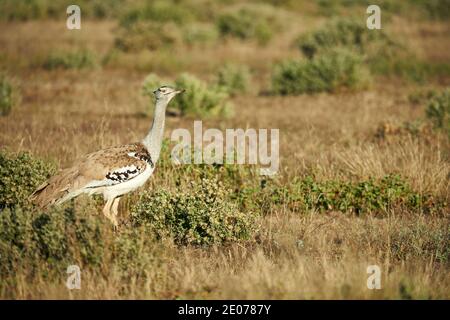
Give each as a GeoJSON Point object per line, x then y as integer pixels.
{"type": "Point", "coordinates": [58, 237]}
{"type": "Point", "coordinates": [371, 195]}
{"type": "Point", "coordinates": [202, 214]}
{"type": "Point", "coordinates": [348, 33]}
{"type": "Point", "coordinates": [11, 10]}
{"type": "Point", "coordinates": [70, 60]}
{"type": "Point", "coordinates": [435, 9]}
{"type": "Point", "coordinates": [234, 79]}
{"type": "Point", "coordinates": [154, 25]}
{"type": "Point", "coordinates": [438, 110]}
{"type": "Point", "coordinates": [6, 96]}
{"type": "Point", "coordinates": [157, 11]}
{"type": "Point", "coordinates": [20, 175]}
{"type": "Point", "coordinates": [330, 71]}
{"type": "Point", "coordinates": [199, 99]}
{"type": "Point", "coordinates": [249, 23]}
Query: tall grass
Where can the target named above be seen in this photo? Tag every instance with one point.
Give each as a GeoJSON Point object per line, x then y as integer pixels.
{"type": "Point", "coordinates": [6, 96]}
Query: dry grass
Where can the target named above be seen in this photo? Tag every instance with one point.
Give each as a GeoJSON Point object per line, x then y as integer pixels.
{"type": "Point", "coordinates": [65, 114]}
{"type": "Point", "coordinates": [296, 257]}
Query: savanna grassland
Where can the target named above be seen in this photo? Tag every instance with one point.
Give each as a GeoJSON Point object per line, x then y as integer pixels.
{"type": "Point", "coordinates": [364, 120]}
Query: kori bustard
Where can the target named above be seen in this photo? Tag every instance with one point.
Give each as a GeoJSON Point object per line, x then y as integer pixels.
{"type": "Point", "coordinates": [112, 172]}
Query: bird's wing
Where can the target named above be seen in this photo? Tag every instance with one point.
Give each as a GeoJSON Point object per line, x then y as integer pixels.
{"type": "Point", "coordinates": [103, 168]}
{"type": "Point", "coordinates": [114, 165]}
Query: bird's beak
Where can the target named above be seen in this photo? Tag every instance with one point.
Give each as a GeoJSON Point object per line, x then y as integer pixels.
{"type": "Point", "coordinates": [180, 91]}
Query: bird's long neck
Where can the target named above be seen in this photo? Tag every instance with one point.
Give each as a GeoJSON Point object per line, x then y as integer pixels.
{"type": "Point", "coordinates": [153, 140]}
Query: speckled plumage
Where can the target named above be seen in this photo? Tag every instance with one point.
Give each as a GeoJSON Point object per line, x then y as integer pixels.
{"type": "Point", "coordinates": [97, 170]}
{"type": "Point", "coordinates": [111, 172]}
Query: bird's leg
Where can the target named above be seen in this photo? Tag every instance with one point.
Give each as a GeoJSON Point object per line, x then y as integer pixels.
{"type": "Point", "coordinates": [107, 212]}
{"type": "Point", "coordinates": [115, 211]}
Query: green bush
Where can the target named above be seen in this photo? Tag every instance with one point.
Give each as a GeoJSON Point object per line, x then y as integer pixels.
{"type": "Point", "coordinates": [234, 79]}
{"type": "Point", "coordinates": [150, 84]}
{"type": "Point", "coordinates": [6, 96]}
{"type": "Point", "coordinates": [11, 10]}
{"type": "Point", "coordinates": [412, 9]}
{"type": "Point", "coordinates": [201, 214]}
{"type": "Point", "coordinates": [20, 175]}
{"type": "Point", "coordinates": [70, 60]}
{"type": "Point", "coordinates": [435, 9]}
{"type": "Point", "coordinates": [57, 237]}
{"type": "Point", "coordinates": [152, 25]}
{"type": "Point", "coordinates": [199, 99]}
{"type": "Point", "coordinates": [348, 33]}
{"type": "Point", "coordinates": [438, 111]}
{"type": "Point", "coordinates": [44, 244]}
{"type": "Point", "coordinates": [330, 71]}
{"type": "Point", "coordinates": [249, 23]}
{"type": "Point", "coordinates": [157, 11]}
{"type": "Point", "coordinates": [380, 52]}
{"type": "Point", "coordinates": [371, 195]}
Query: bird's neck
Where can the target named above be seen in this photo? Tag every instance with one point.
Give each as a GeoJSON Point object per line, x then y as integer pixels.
{"type": "Point", "coordinates": [153, 140]}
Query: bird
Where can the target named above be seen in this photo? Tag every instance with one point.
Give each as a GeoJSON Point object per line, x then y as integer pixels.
{"type": "Point", "coordinates": [112, 172]}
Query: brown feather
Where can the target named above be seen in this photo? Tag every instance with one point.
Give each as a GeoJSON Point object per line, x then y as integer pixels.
{"type": "Point", "coordinates": [70, 182]}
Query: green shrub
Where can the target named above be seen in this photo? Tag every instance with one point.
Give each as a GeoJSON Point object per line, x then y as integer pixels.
{"type": "Point", "coordinates": [380, 52]}
{"type": "Point", "coordinates": [412, 9]}
{"type": "Point", "coordinates": [157, 11]}
{"type": "Point", "coordinates": [247, 23]}
{"type": "Point", "coordinates": [438, 111]}
{"type": "Point", "coordinates": [70, 60]}
{"type": "Point", "coordinates": [330, 71]}
{"type": "Point", "coordinates": [58, 237]}
{"type": "Point", "coordinates": [152, 25]}
{"type": "Point", "coordinates": [150, 84]}
{"type": "Point", "coordinates": [6, 96]}
{"type": "Point", "coordinates": [435, 9]}
{"type": "Point", "coordinates": [234, 79]}
{"type": "Point", "coordinates": [199, 215]}
{"type": "Point", "coordinates": [50, 237]}
{"type": "Point", "coordinates": [199, 99]}
{"type": "Point", "coordinates": [372, 195]}
{"type": "Point", "coordinates": [11, 10]}
{"type": "Point", "coordinates": [20, 175]}
{"type": "Point", "coordinates": [15, 239]}
{"type": "Point", "coordinates": [348, 33]}
{"type": "Point", "coordinates": [25, 10]}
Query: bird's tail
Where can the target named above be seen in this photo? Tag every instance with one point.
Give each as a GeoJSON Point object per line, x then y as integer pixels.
{"type": "Point", "coordinates": [56, 190]}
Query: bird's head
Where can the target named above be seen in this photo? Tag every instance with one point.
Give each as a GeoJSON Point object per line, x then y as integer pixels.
{"type": "Point", "coordinates": [166, 93]}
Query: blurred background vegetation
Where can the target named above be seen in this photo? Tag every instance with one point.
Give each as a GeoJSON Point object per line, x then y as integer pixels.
{"type": "Point", "coordinates": [365, 121]}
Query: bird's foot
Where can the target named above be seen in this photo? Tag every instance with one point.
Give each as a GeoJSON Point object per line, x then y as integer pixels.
{"type": "Point", "coordinates": [115, 224]}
